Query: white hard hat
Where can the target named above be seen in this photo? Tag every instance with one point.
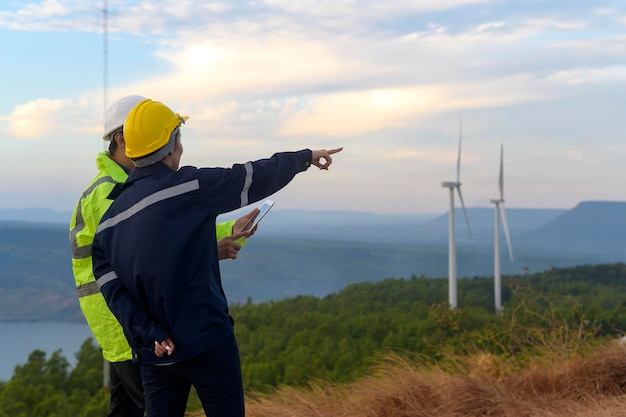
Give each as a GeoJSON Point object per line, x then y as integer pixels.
{"type": "Point", "coordinates": [117, 112]}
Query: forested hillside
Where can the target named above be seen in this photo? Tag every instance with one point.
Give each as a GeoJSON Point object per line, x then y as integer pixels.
{"type": "Point", "coordinates": [336, 337]}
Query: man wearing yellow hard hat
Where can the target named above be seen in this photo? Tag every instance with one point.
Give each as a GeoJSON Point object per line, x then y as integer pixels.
{"type": "Point", "coordinates": [155, 261]}
{"type": "Point", "coordinates": [113, 166]}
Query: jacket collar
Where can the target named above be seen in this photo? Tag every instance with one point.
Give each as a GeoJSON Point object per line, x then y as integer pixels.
{"type": "Point", "coordinates": [150, 170]}
{"type": "Point", "coordinates": [137, 174]}
{"type": "Point", "coordinates": [105, 164]}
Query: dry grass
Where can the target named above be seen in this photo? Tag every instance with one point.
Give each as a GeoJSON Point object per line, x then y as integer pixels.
{"type": "Point", "coordinates": [593, 385]}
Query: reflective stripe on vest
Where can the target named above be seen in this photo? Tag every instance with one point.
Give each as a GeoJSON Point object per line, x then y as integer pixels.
{"type": "Point", "coordinates": [88, 289]}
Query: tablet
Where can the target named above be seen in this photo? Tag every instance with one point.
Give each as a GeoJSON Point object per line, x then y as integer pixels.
{"type": "Point", "coordinates": [267, 205]}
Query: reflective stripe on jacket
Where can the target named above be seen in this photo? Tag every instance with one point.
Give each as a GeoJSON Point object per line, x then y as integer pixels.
{"type": "Point", "coordinates": [87, 214]}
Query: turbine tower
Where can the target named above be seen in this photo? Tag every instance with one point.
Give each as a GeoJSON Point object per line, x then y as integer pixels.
{"type": "Point", "coordinates": [454, 185]}
{"type": "Point", "coordinates": [500, 216]}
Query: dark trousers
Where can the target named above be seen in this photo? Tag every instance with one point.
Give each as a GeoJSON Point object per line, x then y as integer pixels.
{"type": "Point", "coordinates": [216, 375]}
{"type": "Point", "coordinates": [126, 390]}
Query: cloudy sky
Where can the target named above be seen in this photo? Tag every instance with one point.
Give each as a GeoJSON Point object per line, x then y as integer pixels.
{"type": "Point", "coordinates": [387, 80]}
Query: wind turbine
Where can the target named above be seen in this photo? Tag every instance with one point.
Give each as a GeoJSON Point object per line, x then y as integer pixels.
{"type": "Point", "coordinates": [452, 185]}
{"type": "Point", "coordinates": [499, 211]}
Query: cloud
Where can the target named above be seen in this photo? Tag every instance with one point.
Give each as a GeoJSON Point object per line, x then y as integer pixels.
{"type": "Point", "coordinates": [547, 25]}
{"type": "Point", "coordinates": [604, 75]}
{"type": "Point", "coordinates": [384, 80]}
{"type": "Point", "coordinates": [361, 111]}
{"type": "Point", "coordinates": [352, 113]}
{"type": "Point", "coordinates": [367, 8]}
{"type": "Point", "coordinates": [154, 17]}
{"type": "Point", "coordinates": [308, 80]}
{"type": "Point", "coordinates": [49, 119]}
{"type": "Point", "coordinates": [211, 69]}
{"type": "Point", "coordinates": [51, 15]}
{"type": "Point", "coordinates": [34, 119]}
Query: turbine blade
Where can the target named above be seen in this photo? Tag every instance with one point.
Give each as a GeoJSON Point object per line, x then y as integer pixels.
{"type": "Point", "coordinates": [458, 159]}
{"type": "Point", "coordinates": [458, 188]}
{"type": "Point", "coordinates": [506, 231]}
{"type": "Point", "coordinates": [501, 180]}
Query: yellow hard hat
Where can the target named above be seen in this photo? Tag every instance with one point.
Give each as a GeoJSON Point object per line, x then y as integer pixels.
{"type": "Point", "coordinates": [148, 127]}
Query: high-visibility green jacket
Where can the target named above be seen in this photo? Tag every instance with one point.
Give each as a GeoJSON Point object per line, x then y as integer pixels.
{"type": "Point", "coordinates": [85, 219]}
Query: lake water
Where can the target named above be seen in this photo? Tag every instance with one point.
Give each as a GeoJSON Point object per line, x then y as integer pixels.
{"type": "Point", "coordinates": [19, 339]}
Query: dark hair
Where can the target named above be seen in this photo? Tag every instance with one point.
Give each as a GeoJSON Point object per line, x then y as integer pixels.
{"type": "Point", "coordinates": [113, 143]}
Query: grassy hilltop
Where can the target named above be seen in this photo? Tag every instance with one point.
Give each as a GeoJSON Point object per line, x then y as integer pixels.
{"type": "Point", "coordinates": [590, 385]}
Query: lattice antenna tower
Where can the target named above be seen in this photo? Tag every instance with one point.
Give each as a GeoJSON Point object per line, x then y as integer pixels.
{"type": "Point", "coordinates": [106, 376]}
{"type": "Point", "coordinates": [105, 57]}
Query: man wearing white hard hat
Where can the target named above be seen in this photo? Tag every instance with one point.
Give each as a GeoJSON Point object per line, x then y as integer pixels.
{"type": "Point", "coordinates": [127, 399]}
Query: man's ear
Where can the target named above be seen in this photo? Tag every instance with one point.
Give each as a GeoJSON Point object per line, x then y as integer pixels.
{"type": "Point", "coordinates": [119, 138]}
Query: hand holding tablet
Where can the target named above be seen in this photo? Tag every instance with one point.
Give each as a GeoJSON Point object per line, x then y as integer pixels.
{"type": "Point", "coordinates": [252, 223]}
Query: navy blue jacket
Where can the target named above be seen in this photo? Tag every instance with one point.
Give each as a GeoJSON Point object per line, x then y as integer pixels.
{"type": "Point", "coordinates": [155, 251]}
